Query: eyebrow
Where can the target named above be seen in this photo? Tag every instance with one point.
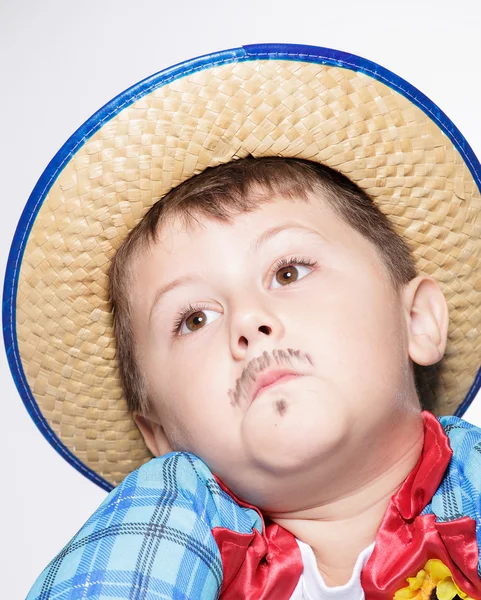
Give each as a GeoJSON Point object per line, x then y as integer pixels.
{"type": "Point", "coordinates": [255, 246]}
{"type": "Point", "coordinates": [273, 231]}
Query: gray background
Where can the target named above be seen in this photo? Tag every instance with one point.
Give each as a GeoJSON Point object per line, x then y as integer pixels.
{"type": "Point", "coordinates": [62, 60]}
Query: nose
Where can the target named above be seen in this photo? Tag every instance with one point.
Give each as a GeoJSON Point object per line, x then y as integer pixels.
{"type": "Point", "coordinates": [249, 329]}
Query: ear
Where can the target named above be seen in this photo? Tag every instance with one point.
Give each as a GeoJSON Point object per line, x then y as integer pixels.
{"type": "Point", "coordinates": [427, 319]}
{"type": "Point", "coordinates": [153, 434]}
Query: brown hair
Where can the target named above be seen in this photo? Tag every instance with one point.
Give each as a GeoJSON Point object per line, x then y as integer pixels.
{"type": "Point", "coordinates": [230, 189]}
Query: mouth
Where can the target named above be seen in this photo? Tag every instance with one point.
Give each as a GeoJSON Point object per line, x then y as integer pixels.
{"type": "Point", "coordinates": [268, 380]}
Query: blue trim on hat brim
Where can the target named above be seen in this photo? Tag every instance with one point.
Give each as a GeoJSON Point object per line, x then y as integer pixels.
{"type": "Point", "coordinates": [301, 53]}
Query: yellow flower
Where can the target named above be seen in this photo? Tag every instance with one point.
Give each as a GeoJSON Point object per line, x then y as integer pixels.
{"type": "Point", "coordinates": [434, 576]}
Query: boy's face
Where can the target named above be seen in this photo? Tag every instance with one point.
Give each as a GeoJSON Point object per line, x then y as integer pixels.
{"type": "Point", "coordinates": [339, 324]}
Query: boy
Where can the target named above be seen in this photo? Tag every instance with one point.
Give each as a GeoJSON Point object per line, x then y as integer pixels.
{"type": "Point", "coordinates": [267, 319]}
{"type": "Point", "coordinates": [347, 411]}
{"type": "Point", "coordinates": [321, 450]}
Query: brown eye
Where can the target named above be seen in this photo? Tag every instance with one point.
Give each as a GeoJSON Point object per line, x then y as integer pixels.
{"type": "Point", "coordinates": [192, 318]}
{"type": "Point", "coordinates": [287, 274]}
{"type": "Point", "coordinates": [289, 271]}
{"type": "Point", "coordinates": [195, 320]}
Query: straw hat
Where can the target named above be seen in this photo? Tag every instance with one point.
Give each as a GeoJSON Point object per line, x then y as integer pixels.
{"type": "Point", "coordinates": [299, 101]}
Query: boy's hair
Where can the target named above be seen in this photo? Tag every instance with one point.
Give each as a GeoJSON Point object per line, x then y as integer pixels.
{"type": "Point", "coordinates": [237, 187]}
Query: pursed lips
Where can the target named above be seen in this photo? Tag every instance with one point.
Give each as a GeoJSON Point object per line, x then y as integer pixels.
{"type": "Point", "coordinates": [266, 380]}
{"type": "Point", "coordinates": [250, 382]}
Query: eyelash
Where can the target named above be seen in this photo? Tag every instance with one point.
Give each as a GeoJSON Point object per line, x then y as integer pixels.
{"type": "Point", "coordinates": [184, 314]}
{"type": "Point", "coordinates": [280, 264]}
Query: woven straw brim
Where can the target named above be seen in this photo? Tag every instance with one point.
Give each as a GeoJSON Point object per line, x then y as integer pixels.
{"type": "Point", "coordinates": [333, 115]}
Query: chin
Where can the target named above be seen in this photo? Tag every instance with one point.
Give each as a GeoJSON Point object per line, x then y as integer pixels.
{"type": "Point", "coordinates": [306, 432]}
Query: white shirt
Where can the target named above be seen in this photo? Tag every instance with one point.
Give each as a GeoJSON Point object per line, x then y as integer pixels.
{"type": "Point", "coordinates": [311, 585]}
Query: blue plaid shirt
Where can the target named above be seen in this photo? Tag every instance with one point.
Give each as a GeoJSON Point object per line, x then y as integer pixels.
{"type": "Point", "coordinates": [151, 538]}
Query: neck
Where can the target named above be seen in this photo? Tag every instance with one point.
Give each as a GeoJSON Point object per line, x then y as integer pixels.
{"type": "Point", "coordinates": [339, 529]}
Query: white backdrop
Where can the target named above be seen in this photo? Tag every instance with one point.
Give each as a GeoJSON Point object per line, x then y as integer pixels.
{"type": "Point", "coordinates": [61, 60]}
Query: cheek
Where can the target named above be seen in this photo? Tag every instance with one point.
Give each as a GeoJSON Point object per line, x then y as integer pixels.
{"type": "Point", "coordinates": [359, 334]}
{"type": "Point", "coordinates": [193, 398]}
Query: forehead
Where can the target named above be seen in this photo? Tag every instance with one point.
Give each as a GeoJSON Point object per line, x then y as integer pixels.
{"type": "Point", "coordinates": [285, 214]}
{"type": "Point", "coordinates": [276, 223]}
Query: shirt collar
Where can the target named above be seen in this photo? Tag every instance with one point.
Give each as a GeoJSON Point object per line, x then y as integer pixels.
{"type": "Point", "coordinates": [420, 485]}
